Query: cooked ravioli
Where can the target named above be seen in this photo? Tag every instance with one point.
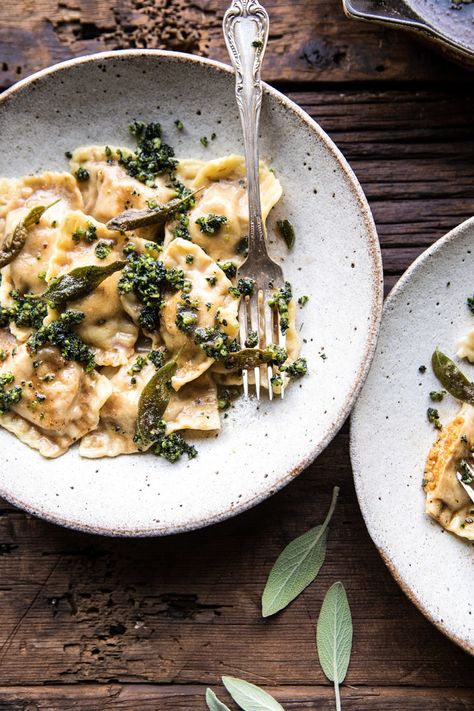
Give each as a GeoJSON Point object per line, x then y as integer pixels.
{"type": "Point", "coordinates": [27, 271]}
{"type": "Point", "coordinates": [60, 402]}
{"type": "Point", "coordinates": [223, 192]}
{"type": "Point", "coordinates": [210, 292]}
{"type": "Point", "coordinates": [109, 190]}
{"type": "Point", "coordinates": [446, 500]}
{"type": "Point", "coordinates": [193, 407]}
{"type": "Point", "coordinates": [466, 346]}
{"type": "Point", "coordinates": [106, 328]}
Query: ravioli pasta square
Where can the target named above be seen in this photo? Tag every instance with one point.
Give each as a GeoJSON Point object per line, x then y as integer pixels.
{"type": "Point", "coordinates": [109, 190]}
{"type": "Point", "coordinates": [194, 407]}
{"type": "Point", "coordinates": [210, 294]}
{"type": "Point", "coordinates": [60, 403]}
{"type": "Point", "coordinates": [446, 500]}
{"type": "Point", "coordinates": [106, 327]}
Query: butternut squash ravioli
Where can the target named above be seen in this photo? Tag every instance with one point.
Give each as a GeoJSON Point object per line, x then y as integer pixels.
{"type": "Point", "coordinates": [119, 300]}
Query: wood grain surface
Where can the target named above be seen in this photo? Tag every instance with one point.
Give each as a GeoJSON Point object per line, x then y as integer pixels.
{"type": "Point", "coordinates": [92, 623]}
{"type": "Point", "coordinates": [310, 40]}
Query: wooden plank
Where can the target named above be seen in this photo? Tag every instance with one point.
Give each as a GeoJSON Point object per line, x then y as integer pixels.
{"type": "Point", "coordinates": [413, 153]}
{"type": "Point", "coordinates": [310, 41]}
{"type": "Point", "coordinates": [185, 609]}
{"type": "Point", "coordinates": [146, 697]}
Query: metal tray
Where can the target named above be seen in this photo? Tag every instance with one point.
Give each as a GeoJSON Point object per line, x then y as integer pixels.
{"type": "Point", "coordinates": [447, 23]}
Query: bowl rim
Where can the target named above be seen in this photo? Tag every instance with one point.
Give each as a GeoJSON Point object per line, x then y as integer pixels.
{"type": "Point", "coordinates": [373, 327]}
{"type": "Point", "coordinates": [419, 262]}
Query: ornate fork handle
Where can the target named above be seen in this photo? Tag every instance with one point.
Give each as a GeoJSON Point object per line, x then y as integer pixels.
{"type": "Point", "coordinates": [246, 33]}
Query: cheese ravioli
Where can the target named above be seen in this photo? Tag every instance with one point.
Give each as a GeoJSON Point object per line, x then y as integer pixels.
{"type": "Point", "coordinates": [106, 328]}
{"type": "Point", "coordinates": [446, 500]}
{"type": "Point", "coordinates": [209, 294]}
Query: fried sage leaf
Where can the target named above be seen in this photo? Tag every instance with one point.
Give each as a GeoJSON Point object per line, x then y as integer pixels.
{"type": "Point", "coordinates": [15, 241]}
{"type": "Point", "coordinates": [451, 378]}
{"type": "Point", "coordinates": [159, 215]}
{"type": "Point", "coordinates": [286, 232]}
{"type": "Point", "coordinates": [153, 403]}
{"type": "Point", "coordinates": [79, 283]}
{"type": "Point", "coordinates": [254, 357]}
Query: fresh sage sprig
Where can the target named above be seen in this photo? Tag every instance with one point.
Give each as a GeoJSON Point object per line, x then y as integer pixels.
{"type": "Point", "coordinates": [213, 703]}
{"type": "Point", "coordinates": [15, 241]}
{"type": "Point", "coordinates": [78, 283]}
{"type": "Point", "coordinates": [153, 402]}
{"type": "Point", "coordinates": [334, 637]}
{"type": "Point", "coordinates": [159, 215]}
{"type": "Point", "coordinates": [452, 378]}
{"type": "Point", "coordinates": [297, 566]}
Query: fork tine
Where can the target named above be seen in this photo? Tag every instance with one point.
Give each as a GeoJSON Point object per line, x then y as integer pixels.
{"type": "Point", "coordinates": [282, 344]}
{"type": "Point", "coordinates": [268, 329]}
{"type": "Point", "coordinates": [243, 329]}
{"type": "Point", "coordinates": [254, 316]}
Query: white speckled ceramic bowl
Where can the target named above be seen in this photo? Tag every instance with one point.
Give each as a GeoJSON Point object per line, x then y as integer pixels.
{"type": "Point", "coordinates": [336, 261]}
{"type": "Point", "coordinates": [391, 435]}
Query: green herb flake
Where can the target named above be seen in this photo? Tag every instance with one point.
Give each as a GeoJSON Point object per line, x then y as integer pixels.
{"type": "Point", "coordinates": [286, 232]}
{"type": "Point", "coordinates": [88, 234]}
{"type": "Point", "coordinates": [211, 224]}
{"type": "Point", "coordinates": [60, 333]}
{"type": "Point", "coordinates": [8, 395]}
{"type": "Point", "coordinates": [433, 417]}
{"type": "Point", "coordinates": [297, 369]}
{"type": "Point", "coordinates": [229, 268]}
{"type": "Point", "coordinates": [252, 339]}
{"type": "Point", "coordinates": [281, 299]}
{"type": "Point", "coordinates": [102, 250]}
{"type": "Point", "coordinates": [437, 395]}
{"type": "Point", "coordinates": [153, 157]}
{"type": "Point", "coordinates": [82, 174]}
{"type": "Point", "coordinates": [172, 447]}
{"type": "Point", "coordinates": [303, 300]}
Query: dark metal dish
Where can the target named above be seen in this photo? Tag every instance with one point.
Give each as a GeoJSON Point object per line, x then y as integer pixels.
{"type": "Point", "coordinates": [448, 23]}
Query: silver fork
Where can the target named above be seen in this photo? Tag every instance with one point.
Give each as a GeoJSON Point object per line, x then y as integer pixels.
{"type": "Point", "coordinates": [245, 28]}
{"type": "Point", "coordinates": [465, 476]}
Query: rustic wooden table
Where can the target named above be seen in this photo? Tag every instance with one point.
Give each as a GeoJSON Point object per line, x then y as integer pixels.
{"type": "Point", "coordinates": [91, 623]}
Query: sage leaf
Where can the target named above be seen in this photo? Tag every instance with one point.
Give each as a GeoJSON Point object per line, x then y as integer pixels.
{"type": "Point", "coordinates": [159, 215]}
{"type": "Point", "coordinates": [297, 565]}
{"type": "Point", "coordinates": [334, 636]}
{"type": "Point", "coordinates": [79, 283]}
{"type": "Point", "coordinates": [15, 241]}
{"type": "Point", "coordinates": [250, 697]}
{"type": "Point", "coordinates": [253, 357]}
{"type": "Point", "coordinates": [153, 402]}
{"type": "Point", "coordinates": [287, 232]}
{"type": "Point", "coordinates": [452, 378]}
{"type": "Point", "coordinates": [213, 703]}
